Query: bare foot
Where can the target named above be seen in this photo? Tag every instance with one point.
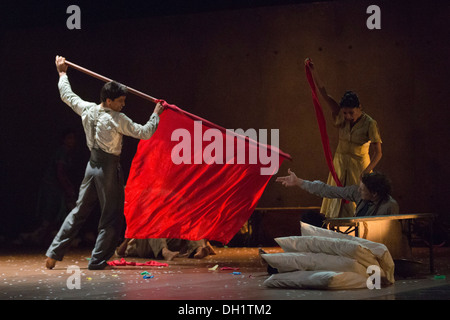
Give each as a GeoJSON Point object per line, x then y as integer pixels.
{"type": "Point", "coordinates": [50, 263]}
{"type": "Point", "coordinates": [201, 252]}
{"type": "Point", "coordinates": [121, 250]}
{"type": "Point", "coordinates": [169, 255]}
{"type": "Point", "coordinates": [210, 249]}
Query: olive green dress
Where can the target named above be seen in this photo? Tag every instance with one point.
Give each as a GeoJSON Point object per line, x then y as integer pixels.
{"type": "Point", "coordinates": [350, 159]}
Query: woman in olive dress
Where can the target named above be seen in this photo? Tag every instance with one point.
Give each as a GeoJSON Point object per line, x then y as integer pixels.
{"type": "Point", "coordinates": [357, 133]}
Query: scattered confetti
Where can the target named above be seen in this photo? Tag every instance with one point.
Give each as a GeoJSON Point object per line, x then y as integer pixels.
{"type": "Point", "coordinates": [214, 268]}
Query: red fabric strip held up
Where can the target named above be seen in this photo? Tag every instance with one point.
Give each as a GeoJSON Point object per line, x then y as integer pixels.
{"type": "Point", "coordinates": [322, 126]}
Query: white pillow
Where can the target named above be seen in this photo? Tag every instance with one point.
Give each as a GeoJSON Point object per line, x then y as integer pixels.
{"type": "Point", "coordinates": [379, 250]}
{"type": "Point", "coordinates": [306, 261]}
{"type": "Point", "coordinates": [317, 280]}
{"type": "Point", "coordinates": [337, 247]}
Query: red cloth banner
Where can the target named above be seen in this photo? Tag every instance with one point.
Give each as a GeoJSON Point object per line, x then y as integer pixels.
{"type": "Point", "coordinates": [322, 126]}
{"type": "Point", "coordinates": [199, 198]}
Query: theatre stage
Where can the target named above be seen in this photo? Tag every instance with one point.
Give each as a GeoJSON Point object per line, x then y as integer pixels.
{"type": "Point", "coordinates": [24, 277]}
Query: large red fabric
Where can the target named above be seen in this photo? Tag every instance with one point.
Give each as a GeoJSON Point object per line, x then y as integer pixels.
{"type": "Point", "coordinates": [322, 126]}
{"type": "Point", "coordinates": [191, 201]}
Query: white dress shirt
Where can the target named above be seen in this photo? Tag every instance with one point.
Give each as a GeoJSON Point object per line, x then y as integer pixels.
{"type": "Point", "coordinates": [105, 127]}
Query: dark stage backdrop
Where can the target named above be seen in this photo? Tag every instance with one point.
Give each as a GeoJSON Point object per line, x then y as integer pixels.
{"type": "Point", "coordinates": [240, 67]}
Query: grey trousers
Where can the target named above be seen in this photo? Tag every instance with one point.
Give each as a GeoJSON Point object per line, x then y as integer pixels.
{"type": "Point", "coordinates": [103, 183]}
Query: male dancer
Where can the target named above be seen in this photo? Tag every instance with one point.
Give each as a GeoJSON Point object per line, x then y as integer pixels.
{"type": "Point", "coordinates": [104, 126]}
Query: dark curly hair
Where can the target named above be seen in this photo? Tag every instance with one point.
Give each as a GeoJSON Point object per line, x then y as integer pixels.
{"type": "Point", "coordinates": [349, 100]}
{"type": "Point", "coordinates": [376, 182]}
{"type": "Point", "coordinates": [112, 90]}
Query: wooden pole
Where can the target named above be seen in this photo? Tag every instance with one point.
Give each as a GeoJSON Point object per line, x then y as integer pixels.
{"type": "Point", "coordinates": [105, 79]}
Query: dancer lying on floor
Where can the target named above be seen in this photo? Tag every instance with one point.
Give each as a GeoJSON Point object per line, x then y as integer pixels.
{"type": "Point", "coordinates": [168, 249]}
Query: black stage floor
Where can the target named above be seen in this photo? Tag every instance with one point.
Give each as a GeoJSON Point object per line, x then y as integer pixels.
{"type": "Point", "coordinates": [24, 277]}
